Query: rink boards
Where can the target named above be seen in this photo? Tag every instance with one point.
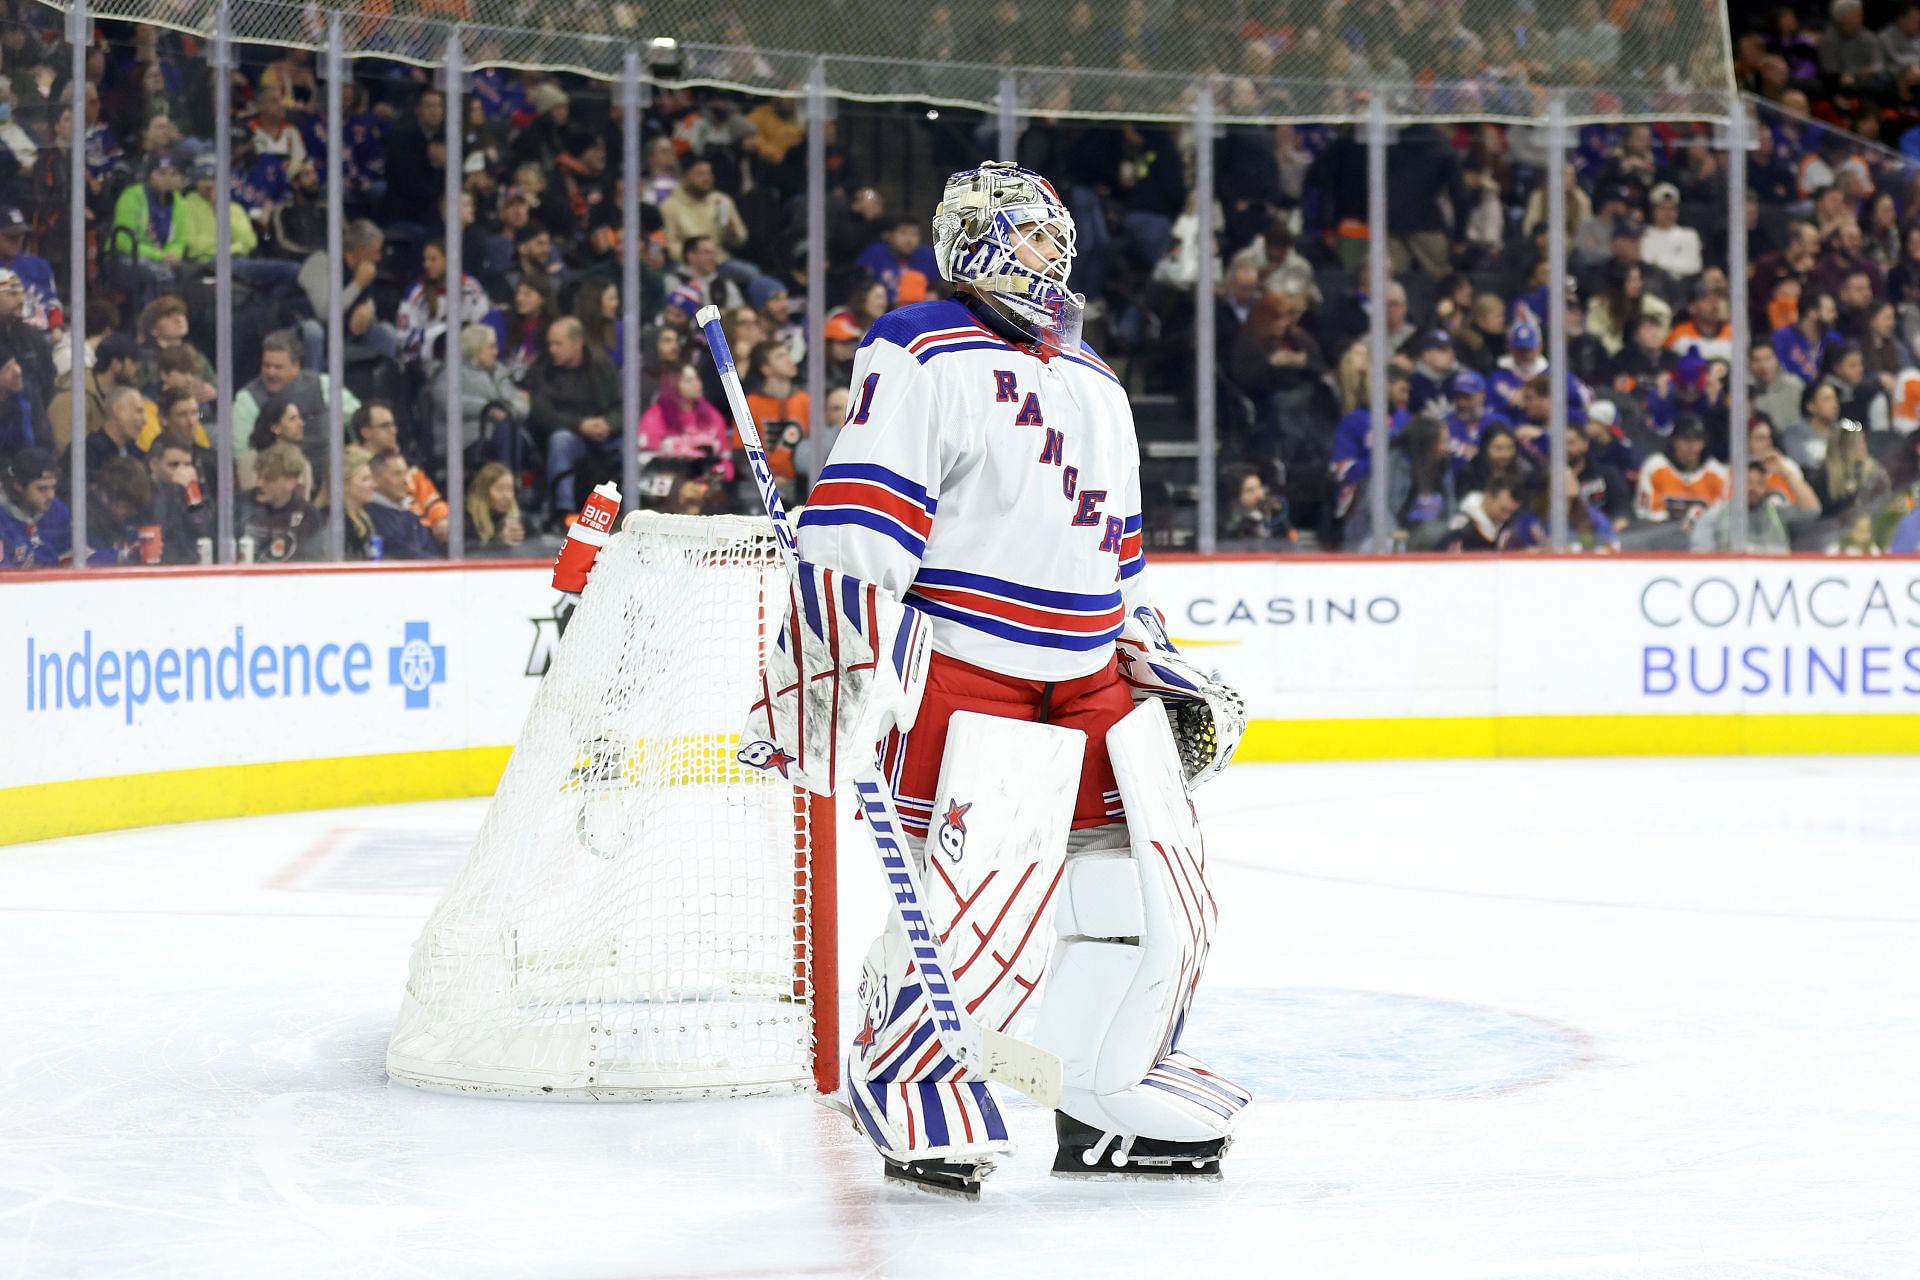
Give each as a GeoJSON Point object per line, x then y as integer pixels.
{"type": "Point", "coordinates": [206, 693]}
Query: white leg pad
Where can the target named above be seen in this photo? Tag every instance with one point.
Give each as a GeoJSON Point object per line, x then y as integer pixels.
{"type": "Point", "coordinates": [1135, 925]}
{"type": "Point", "coordinates": [993, 860]}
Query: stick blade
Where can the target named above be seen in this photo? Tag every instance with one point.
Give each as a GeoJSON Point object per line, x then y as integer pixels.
{"type": "Point", "coordinates": [1026, 1067]}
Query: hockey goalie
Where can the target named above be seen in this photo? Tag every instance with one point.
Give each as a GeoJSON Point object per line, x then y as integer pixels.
{"type": "Point", "coordinates": [983, 502]}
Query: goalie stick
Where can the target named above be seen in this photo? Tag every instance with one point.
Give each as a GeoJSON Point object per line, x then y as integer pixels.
{"type": "Point", "coordinates": [994, 1054]}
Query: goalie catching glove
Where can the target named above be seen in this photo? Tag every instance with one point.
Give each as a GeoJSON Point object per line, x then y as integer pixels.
{"type": "Point", "coordinates": [1207, 717]}
{"type": "Point", "coordinates": [850, 663]}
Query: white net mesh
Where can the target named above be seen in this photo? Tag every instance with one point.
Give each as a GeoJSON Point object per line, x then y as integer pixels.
{"type": "Point", "coordinates": [636, 916]}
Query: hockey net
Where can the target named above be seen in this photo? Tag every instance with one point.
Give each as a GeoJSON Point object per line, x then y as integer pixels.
{"type": "Point", "coordinates": [641, 915]}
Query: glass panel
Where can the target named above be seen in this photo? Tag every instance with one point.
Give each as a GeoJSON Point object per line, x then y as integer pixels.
{"type": "Point", "coordinates": [35, 226]}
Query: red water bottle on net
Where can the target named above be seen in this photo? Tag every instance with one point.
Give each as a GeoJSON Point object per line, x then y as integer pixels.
{"type": "Point", "coordinates": [585, 536]}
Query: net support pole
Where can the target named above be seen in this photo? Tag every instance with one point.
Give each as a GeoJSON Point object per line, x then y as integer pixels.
{"type": "Point", "coordinates": [77, 280]}
{"type": "Point", "coordinates": [453, 298]}
{"type": "Point", "coordinates": [336, 290]}
{"type": "Point", "coordinates": [1557, 319]}
{"type": "Point", "coordinates": [1206, 420]}
{"type": "Point", "coordinates": [630, 250]}
{"type": "Point", "coordinates": [817, 425]}
{"type": "Point", "coordinates": [1005, 119]}
{"type": "Point", "coordinates": [223, 444]}
{"type": "Point", "coordinates": [1379, 510]}
{"type": "Point", "coordinates": [1738, 323]}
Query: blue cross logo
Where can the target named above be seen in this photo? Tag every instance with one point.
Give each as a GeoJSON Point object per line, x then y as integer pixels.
{"type": "Point", "coordinates": [417, 664]}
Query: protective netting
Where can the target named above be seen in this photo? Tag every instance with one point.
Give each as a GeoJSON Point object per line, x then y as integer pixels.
{"type": "Point", "coordinates": [1134, 59]}
{"type": "Point", "coordinates": [636, 916]}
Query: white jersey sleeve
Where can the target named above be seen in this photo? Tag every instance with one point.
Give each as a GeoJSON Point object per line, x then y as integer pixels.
{"type": "Point", "coordinates": [872, 510]}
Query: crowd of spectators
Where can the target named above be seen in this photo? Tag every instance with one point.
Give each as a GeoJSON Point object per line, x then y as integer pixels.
{"type": "Point", "coordinates": [536, 320]}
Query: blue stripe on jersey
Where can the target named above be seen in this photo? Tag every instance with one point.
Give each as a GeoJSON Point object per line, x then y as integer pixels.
{"type": "Point", "coordinates": [902, 640]}
{"type": "Point", "coordinates": [1132, 525]}
{"type": "Point", "coordinates": [850, 603]}
{"type": "Point", "coordinates": [996, 1127]}
{"type": "Point", "coordinates": [942, 349]}
{"type": "Point", "coordinates": [818, 517]}
{"type": "Point", "coordinates": [934, 1114]}
{"type": "Point", "coordinates": [873, 473]}
{"type": "Point", "coordinates": [1010, 631]}
{"type": "Point", "coordinates": [1084, 364]}
{"type": "Point", "coordinates": [1132, 567]}
{"type": "Point", "coordinates": [904, 324]}
{"type": "Point", "coordinates": [810, 604]}
{"type": "Point", "coordinates": [1017, 591]}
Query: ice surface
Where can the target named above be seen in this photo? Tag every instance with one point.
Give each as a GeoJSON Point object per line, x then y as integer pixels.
{"type": "Point", "coordinates": [1530, 1019]}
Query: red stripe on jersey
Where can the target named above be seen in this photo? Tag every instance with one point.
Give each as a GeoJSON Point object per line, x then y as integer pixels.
{"type": "Point", "coordinates": [872, 497]}
{"type": "Point", "coordinates": [1026, 614]}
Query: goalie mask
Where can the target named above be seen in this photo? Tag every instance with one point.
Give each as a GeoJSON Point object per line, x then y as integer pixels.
{"type": "Point", "coordinates": [1003, 231]}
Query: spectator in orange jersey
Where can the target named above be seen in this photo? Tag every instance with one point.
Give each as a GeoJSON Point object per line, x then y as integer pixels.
{"type": "Point", "coordinates": [1682, 481]}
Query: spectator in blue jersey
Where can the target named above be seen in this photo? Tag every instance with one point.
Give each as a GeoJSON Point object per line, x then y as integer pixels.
{"type": "Point", "coordinates": [36, 528]}
{"type": "Point", "coordinates": [1350, 459]}
{"type": "Point", "coordinates": [1906, 535]}
{"type": "Point", "coordinates": [42, 307]}
{"type": "Point", "coordinates": [363, 160]}
{"type": "Point", "coordinates": [897, 257]}
{"type": "Point", "coordinates": [1514, 370]}
{"type": "Point", "coordinates": [118, 494]}
{"type": "Point", "coordinates": [1695, 387]}
{"type": "Point", "coordinates": [1802, 347]}
{"type": "Point", "coordinates": [1470, 417]}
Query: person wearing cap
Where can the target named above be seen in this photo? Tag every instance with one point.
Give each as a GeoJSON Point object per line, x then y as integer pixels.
{"type": "Point", "coordinates": [777, 317]}
{"type": "Point", "coordinates": [42, 307]}
{"type": "Point", "coordinates": [1592, 243]}
{"type": "Point", "coordinates": [149, 214]}
{"type": "Point", "coordinates": [843, 340]}
{"type": "Point", "coordinates": [1667, 244]}
{"type": "Point", "coordinates": [199, 231]}
{"type": "Point", "coordinates": [1469, 418]}
{"type": "Point", "coordinates": [549, 135]}
{"type": "Point", "coordinates": [1681, 481]}
{"type": "Point", "coordinates": [1511, 373]}
{"type": "Point", "coordinates": [1434, 366]}
{"type": "Point", "coordinates": [1695, 386]}
{"type": "Point", "coordinates": [1766, 526]}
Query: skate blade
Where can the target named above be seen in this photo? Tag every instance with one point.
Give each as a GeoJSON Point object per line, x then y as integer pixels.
{"type": "Point", "coordinates": [951, 1187]}
{"type": "Point", "coordinates": [1097, 1174]}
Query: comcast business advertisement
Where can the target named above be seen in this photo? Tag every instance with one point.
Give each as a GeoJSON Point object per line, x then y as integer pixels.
{"type": "Point", "coordinates": [1414, 638]}
{"type": "Point", "coordinates": [142, 675]}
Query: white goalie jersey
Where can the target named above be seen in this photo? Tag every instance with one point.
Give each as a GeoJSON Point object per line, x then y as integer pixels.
{"type": "Point", "coordinates": [994, 487]}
